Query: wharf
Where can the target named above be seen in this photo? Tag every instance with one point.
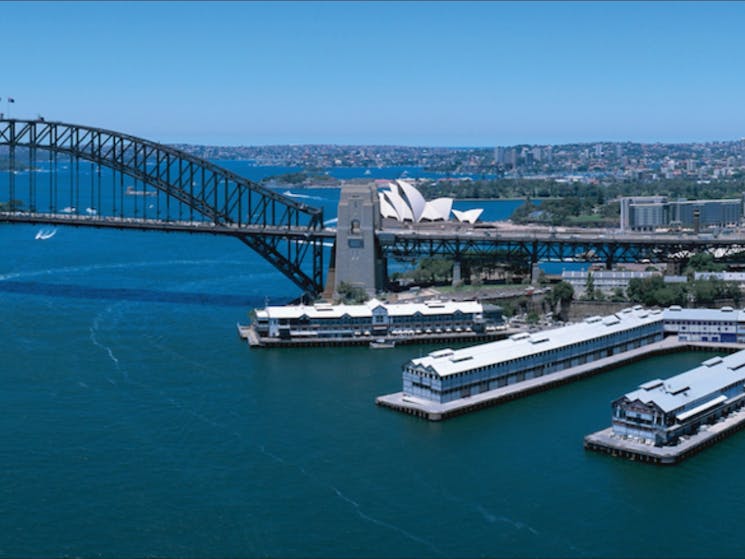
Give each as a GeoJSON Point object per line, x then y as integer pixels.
{"type": "Point", "coordinates": [606, 442]}
{"type": "Point", "coordinates": [435, 411]}
{"type": "Point", "coordinates": [249, 334]}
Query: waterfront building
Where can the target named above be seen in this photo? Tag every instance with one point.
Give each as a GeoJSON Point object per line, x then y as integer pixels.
{"type": "Point", "coordinates": [661, 411]}
{"type": "Point", "coordinates": [446, 375]}
{"type": "Point", "coordinates": [375, 319]}
{"type": "Point", "coordinates": [725, 325]}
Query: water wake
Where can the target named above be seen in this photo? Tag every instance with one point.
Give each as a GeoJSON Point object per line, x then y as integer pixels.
{"type": "Point", "coordinates": [291, 194]}
{"type": "Point", "coordinates": [44, 234]}
{"type": "Point", "coordinates": [117, 266]}
{"type": "Point", "coordinates": [369, 518]}
{"type": "Point", "coordinates": [94, 328]}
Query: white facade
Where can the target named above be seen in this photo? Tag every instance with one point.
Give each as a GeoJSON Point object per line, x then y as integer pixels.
{"type": "Point", "coordinates": [706, 325]}
{"type": "Point", "coordinates": [374, 318]}
{"type": "Point", "coordinates": [660, 411]}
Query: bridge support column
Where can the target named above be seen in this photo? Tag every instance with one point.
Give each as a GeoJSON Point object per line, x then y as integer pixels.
{"type": "Point", "coordinates": [358, 260]}
{"type": "Point", "coordinates": [457, 277]}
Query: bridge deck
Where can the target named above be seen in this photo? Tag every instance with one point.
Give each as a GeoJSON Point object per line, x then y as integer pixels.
{"type": "Point", "coordinates": [162, 225]}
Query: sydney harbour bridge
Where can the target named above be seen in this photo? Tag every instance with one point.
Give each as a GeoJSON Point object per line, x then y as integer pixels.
{"type": "Point", "coordinates": [67, 174]}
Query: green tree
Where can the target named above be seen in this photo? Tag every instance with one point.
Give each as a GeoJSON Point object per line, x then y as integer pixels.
{"type": "Point", "coordinates": [617, 296]}
{"type": "Point", "coordinates": [590, 286]}
{"type": "Point", "coordinates": [351, 294]}
{"type": "Point", "coordinates": [561, 295]}
{"type": "Point", "coordinates": [703, 262]}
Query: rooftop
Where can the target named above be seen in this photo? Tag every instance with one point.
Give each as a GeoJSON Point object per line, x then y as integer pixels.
{"type": "Point", "coordinates": [707, 379]}
{"type": "Point", "coordinates": [448, 362]}
{"type": "Point", "coordinates": [326, 310]}
{"type": "Point", "coordinates": [725, 314]}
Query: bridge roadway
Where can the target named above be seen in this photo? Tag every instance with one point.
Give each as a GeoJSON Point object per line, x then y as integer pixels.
{"type": "Point", "coordinates": [533, 243]}
{"type": "Point", "coordinates": [142, 224]}
{"type": "Point", "coordinates": [536, 244]}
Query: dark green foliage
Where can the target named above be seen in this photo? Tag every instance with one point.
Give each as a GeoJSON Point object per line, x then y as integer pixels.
{"type": "Point", "coordinates": [430, 270]}
{"type": "Point", "coordinates": [351, 294]}
{"type": "Point", "coordinates": [561, 292]}
{"type": "Point", "coordinates": [654, 291]}
{"type": "Point", "coordinates": [704, 262]}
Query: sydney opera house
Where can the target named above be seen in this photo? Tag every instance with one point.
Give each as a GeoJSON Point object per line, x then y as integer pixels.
{"type": "Point", "coordinates": [404, 203]}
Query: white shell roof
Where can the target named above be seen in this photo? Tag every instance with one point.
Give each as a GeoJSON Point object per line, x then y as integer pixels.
{"type": "Point", "coordinates": [402, 208]}
{"type": "Point", "coordinates": [439, 208]}
{"type": "Point", "coordinates": [403, 202]}
{"type": "Point", "coordinates": [414, 197]}
{"type": "Point", "coordinates": [386, 209]}
{"type": "Point", "coordinates": [468, 216]}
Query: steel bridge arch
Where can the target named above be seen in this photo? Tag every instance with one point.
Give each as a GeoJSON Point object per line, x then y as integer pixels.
{"type": "Point", "coordinates": [261, 218]}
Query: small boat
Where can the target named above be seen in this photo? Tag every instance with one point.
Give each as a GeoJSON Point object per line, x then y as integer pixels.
{"type": "Point", "coordinates": [44, 234]}
{"type": "Point", "coordinates": [382, 343]}
{"type": "Point", "coordinates": [132, 192]}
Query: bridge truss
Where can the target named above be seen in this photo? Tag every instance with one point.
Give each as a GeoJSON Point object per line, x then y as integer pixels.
{"type": "Point", "coordinates": [61, 173]}
{"type": "Point", "coordinates": [524, 250]}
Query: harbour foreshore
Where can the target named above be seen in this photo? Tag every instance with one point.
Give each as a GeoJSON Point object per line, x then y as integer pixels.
{"type": "Point", "coordinates": [435, 411]}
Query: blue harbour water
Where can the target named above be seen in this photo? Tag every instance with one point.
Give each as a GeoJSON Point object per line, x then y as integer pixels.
{"type": "Point", "coordinates": [136, 423]}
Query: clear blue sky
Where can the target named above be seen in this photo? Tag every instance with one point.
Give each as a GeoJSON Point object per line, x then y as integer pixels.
{"type": "Point", "coordinates": [415, 73]}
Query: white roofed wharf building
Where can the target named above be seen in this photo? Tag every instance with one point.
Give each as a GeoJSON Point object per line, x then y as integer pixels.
{"type": "Point", "coordinates": [446, 375]}
{"type": "Point", "coordinates": [375, 319]}
{"type": "Point", "coordinates": [725, 325]}
{"type": "Point", "coordinates": [661, 411]}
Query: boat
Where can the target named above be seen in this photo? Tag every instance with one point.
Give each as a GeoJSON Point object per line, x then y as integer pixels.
{"type": "Point", "coordinates": [44, 234]}
{"type": "Point", "coordinates": [132, 192]}
{"type": "Point", "coordinates": [382, 343]}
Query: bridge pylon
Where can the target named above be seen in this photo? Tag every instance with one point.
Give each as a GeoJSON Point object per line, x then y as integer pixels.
{"type": "Point", "coordinates": [358, 260]}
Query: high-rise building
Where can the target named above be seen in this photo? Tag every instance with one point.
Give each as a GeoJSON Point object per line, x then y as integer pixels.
{"type": "Point", "coordinates": [647, 213]}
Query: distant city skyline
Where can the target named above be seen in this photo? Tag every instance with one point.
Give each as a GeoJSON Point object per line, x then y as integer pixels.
{"type": "Point", "coordinates": [469, 74]}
